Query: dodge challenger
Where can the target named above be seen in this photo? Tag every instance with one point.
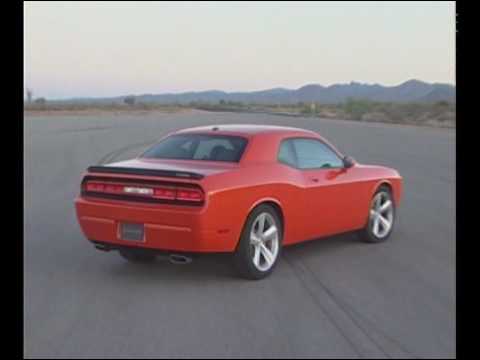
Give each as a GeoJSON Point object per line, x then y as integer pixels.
{"type": "Point", "coordinates": [247, 190]}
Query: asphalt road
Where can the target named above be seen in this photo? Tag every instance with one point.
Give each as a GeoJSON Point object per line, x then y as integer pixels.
{"type": "Point", "coordinates": [334, 297]}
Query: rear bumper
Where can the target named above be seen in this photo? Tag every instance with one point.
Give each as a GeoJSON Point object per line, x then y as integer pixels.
{"type": "Point", "coordinates": [166, 227]}
{"type": "Point", "coordinates": [106, 246]}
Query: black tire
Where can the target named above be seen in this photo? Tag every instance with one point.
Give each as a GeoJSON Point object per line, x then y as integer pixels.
{"type": "Point", "coordinates": [243, 256]}
{"type": "Point", "coordinates": [137, 255]}
{"type": "Point", "coordinates": [367, 234]}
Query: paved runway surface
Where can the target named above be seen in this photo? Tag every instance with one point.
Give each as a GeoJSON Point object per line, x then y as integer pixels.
{"type": "Point", "coordinates": [334, 297]}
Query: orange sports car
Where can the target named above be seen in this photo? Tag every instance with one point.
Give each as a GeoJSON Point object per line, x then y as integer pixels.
{"type": "Point", "coordinates": [248, 190]}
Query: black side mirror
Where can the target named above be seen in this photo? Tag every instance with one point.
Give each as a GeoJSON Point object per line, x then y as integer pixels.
{"type": "Point", "coordinates": [348, 162]}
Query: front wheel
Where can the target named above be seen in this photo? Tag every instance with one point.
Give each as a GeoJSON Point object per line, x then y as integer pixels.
{"type": "Point", "coordinates": [260, 244]}
{"type": "Point", "coordinates": [381, 217]}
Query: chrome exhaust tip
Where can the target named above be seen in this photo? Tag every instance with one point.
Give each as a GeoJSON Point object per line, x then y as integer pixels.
{"type": "Point", "coordinates": [178, 259]}
{"type": "Point", "coordinates": [102, 247]}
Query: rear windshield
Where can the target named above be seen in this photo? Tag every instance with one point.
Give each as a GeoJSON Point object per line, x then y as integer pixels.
{"type": "Point", "coordinates": [198, 147]}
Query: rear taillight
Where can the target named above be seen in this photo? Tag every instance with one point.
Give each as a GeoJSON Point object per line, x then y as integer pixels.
{"type": "Point", "coordinates": [189, 195]}
{"type": "Point", "coordinates": [153, 192]}
{"type": "Point", "coordinates": [164, 193]}
{"type": "Point", "coordinates": [95, 186]}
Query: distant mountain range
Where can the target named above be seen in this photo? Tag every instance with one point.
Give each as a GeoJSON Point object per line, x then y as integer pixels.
{"type": "Point", "coordinates": [409, 91]}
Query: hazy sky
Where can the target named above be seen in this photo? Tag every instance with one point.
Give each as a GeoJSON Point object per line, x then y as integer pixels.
{"type": "Point", "coordinates": [108, 49]}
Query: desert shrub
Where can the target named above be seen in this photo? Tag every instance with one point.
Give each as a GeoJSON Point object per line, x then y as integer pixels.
{"type": "Point", "coordinates": [442, 103]}
{"type": "Point", "coordinates": [305, 109]}
{"type": "Point", "coordinates": [356, 108]}
{"type": "Point", "coordinates": [145, 106]}
{"type": "Point", "coordinates": [129, 100]}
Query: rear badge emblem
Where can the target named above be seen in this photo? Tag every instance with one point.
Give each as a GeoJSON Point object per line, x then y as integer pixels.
{"type": "Point", "coordinates": [137, 190]}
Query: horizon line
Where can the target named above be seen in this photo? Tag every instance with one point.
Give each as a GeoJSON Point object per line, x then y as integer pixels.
{"type": "Point", "coordinates": [244, 91]}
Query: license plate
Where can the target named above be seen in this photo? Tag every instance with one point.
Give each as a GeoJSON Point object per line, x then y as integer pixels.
{"type": "Point", "coordinates": [131, 232]}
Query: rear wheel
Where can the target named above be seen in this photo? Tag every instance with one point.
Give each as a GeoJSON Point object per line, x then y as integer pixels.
{"type": "Point", "coordinates": [381, 217]}
{"type": "Point", "coordinates": [260, 243]}
{"type": "Point", "coordinates": [137, 255]}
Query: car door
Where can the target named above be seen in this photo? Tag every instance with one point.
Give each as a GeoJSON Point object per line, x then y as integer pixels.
{"type": "Point", "coordinates": [328, 186]}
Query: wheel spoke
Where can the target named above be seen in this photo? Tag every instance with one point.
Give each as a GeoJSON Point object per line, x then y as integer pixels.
{"type": "Point", "coordinates": [266, 253]}
{"type": "Point", "coordinates": [254, 239]}
{"type": "Point", "coordinates": [385, 222]}
{"type": "Point", "coordinates": [378, 201]}
{"type": "Point", "coordinates": [386, 206]}
{"type": "Point", "coordinates": [256, 256]}
{"type": "Point", "coordinates": [270, 233]}
{"type": "Point", "coordinates": [261, 224]}
{"type": "Point", "coordinates": [376, 223]}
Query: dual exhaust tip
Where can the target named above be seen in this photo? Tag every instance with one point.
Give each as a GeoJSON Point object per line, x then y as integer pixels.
{"type": "Point", "coordinates": [177, 259]}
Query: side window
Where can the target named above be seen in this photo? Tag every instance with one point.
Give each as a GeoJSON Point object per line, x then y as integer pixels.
{"type": "Point", "coordinates": [313, 154]}
{"type": "Point", "coordinates": [286, 154]}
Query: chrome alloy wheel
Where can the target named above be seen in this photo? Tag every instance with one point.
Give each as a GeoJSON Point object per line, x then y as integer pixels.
{"type": "Point", "coordinates": [381, 214]}
{"type": "Point", "coordinates": [264, 241]}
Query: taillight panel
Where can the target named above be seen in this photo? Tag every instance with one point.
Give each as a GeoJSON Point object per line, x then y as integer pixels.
{"type": "Point", "coordinates": [189, 194]}
{"type": "Point", "coordinates": [144, 191]}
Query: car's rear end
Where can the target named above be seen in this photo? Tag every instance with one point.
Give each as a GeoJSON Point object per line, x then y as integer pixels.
{"type": "Point", "coordinates": [141, 210]}
{"type": "Point", "coordinates": [158, 204]}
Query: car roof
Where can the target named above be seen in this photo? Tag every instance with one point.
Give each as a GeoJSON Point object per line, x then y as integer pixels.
{"type": "Point", "coordinates": [243, 129]}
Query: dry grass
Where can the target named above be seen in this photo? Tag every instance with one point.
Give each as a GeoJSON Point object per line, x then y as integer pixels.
{"type": "Point", "coordinates": [440, 114]}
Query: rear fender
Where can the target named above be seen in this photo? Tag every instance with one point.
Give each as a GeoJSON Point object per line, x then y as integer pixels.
{"type": "Point", "coordinates": [254, 205]}
{"type": "Point", "coordinates": [262, 200]}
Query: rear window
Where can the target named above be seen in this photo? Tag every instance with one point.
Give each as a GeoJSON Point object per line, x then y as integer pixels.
{"type": "Point", "coordinates": [198, 147]}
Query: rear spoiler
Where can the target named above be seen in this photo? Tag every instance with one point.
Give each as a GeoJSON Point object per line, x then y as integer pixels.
{"type": "Point", "coordinates": [144, 172]}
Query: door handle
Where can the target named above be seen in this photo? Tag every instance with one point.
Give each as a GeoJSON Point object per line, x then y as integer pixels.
{"type": "Point", "coordinates": [314, 179]}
